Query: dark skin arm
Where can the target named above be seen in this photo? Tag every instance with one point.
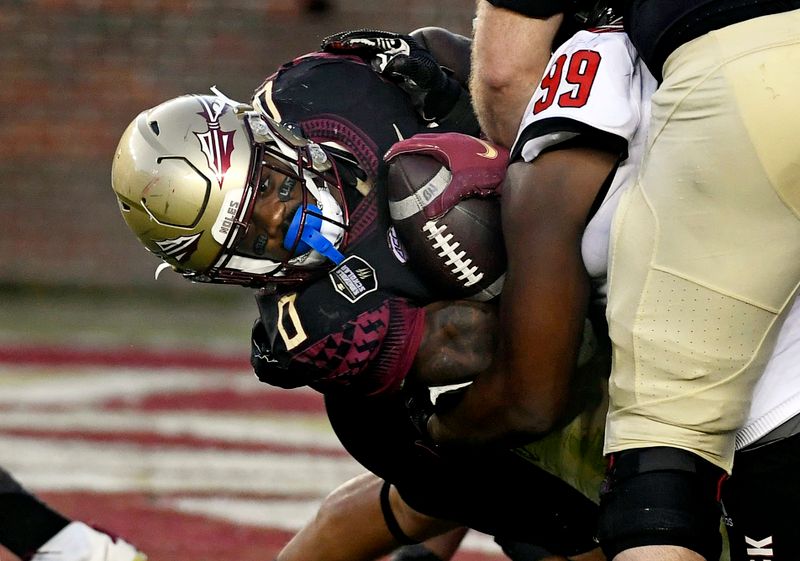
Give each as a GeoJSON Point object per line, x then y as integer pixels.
{"type": "Point", "coordinates": [525, 390]}
{"type": "Point", "coordinates": [457, 343]}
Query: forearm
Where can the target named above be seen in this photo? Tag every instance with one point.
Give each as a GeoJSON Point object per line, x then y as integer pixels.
{"type": "Point", "coordinates": [525, 391]}
{"type": "Point", "coordinates": [452, 51]}
{"type": "Point", "coordinates": [510, 53]}
{"type": "Point", "coordinates": [458, 342]}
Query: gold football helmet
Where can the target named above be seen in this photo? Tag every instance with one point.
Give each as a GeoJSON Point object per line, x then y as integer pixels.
{"type": "Point", "coordinates": [187, 174]}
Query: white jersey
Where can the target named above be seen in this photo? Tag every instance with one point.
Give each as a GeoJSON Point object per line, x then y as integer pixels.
{"type": "Point", "coordinates": [596, 91]}
{"type": "Point", "coordinates": [776, 397]}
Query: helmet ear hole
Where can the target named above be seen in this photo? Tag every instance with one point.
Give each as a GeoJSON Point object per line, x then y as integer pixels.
{"type": "Point", "coordinates": [154, 127]}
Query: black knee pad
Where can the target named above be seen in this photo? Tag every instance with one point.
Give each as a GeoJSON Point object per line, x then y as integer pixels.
{"type": "Point", "coordinates": [660, 496]}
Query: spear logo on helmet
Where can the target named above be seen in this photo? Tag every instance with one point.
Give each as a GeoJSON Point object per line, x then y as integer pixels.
{"type": "Point", "coordinates": [216, 144]}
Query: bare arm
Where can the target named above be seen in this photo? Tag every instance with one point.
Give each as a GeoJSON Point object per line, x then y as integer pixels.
{"type": "Point", "coordinates": [543, 306]}
{"type": "Point", "coordinates": [458, 342]}
{"type": "Point", "coordinates": [510, 53]}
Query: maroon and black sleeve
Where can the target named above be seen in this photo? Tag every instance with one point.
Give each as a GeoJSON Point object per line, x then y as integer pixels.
{"type": "Point", "coordinates": [339, 333]}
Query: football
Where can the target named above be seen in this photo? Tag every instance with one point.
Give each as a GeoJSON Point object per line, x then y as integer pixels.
{"type": "Point", "coordinates": [460, 253]}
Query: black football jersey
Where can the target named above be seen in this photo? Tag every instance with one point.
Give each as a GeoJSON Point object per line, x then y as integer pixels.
{"type": "Point", "coordinates": [547, 8]}
{"type": "Point", "coordinates": [359, 324]}
{"type": "Point", "coordinates": [341, 99]}
{"type": "Point", "coordinates": [580, 14]}
{"type": "Point", "coordinates": [535, 8]}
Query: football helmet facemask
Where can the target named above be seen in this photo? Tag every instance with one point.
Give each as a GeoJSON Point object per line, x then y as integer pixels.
{"type": "Point", "coordinates": [598, 13]}
{"type": "Point", "coordinates": [188, 172]}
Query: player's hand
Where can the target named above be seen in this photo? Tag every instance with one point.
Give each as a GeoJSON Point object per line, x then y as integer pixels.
{"type": "Point", "coordinates": [421, 408]}
{"type": "Point", "coordinates": [403, 60]}
{"type": "Point", "coordinates": [395, 55]}
{"type": "Point", "coordinates": [268, 368]}
{"type": "Point", "coordinates": [477, 168]}
{"type": "Point", "coordinates": [449, 399]}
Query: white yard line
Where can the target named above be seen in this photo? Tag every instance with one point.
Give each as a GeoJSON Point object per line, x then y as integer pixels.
{"type": "Point", "coordinates": [288, 429]}
{"type": "Point", "coordinates": [38, 385]}
{"type": "Point", "coordinates": [50, 465]}
{"type": "Point", "coordinates": [45, 399]}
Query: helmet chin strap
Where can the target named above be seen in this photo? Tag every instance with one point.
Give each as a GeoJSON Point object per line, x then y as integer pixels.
{"type": "Point", "coordinates": [312, 236]}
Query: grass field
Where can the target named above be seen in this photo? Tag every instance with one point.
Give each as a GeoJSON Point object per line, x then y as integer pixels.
{"type": "Point", "coordinates": [140, 414]}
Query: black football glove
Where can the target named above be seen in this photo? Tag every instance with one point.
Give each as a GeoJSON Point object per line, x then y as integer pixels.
{"type": "Point", "coordinates": [420, 408]}
{"type": "Point", "coordinates": [403, 60]}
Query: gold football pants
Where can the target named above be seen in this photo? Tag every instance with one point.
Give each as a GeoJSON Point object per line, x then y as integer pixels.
{"type": "Point", "coordinates": [705, 253]}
